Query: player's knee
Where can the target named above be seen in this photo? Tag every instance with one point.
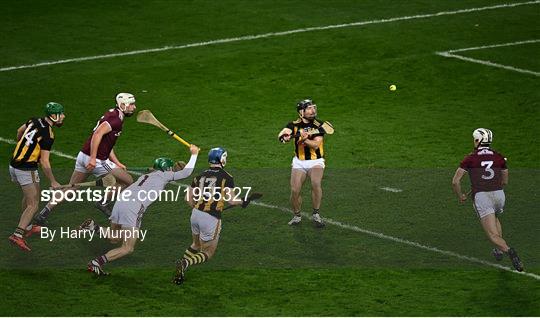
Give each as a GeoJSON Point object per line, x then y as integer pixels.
{"type": "Point", "coordinates": [125, 181]}
{"type": "Point", "coordinates": [32, 204]}
{"type": "Point", "coordinates": [113, 240]}
{"type": "Point", "coordinates": [295, 192]}
{"type": "Point", "coordinates": [128, 250]}
{"type": "Point", "coordinates": [316, 185]}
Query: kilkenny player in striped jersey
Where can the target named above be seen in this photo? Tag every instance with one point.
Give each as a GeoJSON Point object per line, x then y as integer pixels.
{"type": "Point", "coordinates": [309, 158]}
{"type": "Point", "coordinates": [34, 142]}
{"type": "Point", "coordinates": [207, 196]}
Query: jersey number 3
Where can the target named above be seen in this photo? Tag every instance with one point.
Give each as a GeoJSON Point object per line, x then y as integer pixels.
{"type": "Point", "coordinates": [490, 172]}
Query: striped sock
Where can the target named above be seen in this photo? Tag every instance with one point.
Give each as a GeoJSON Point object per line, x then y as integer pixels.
{"type": "Point", "coordinates": [19, 232]}
{"type": "Point", "coordinates": [195, 258]}
{"type": "Point", "coordinates": [101, 260]}
{"type": "Point", "coordinates": [190, 252]}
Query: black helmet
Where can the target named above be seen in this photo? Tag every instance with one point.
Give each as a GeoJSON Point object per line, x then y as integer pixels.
{"type": "Point", "coordinates": [304, 104]}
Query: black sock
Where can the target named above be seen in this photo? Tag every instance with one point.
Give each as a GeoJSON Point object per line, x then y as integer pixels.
{"type": "Point", "coordinates": [44, 213]}
{"type": "Point", "coordinates": [315, 211]}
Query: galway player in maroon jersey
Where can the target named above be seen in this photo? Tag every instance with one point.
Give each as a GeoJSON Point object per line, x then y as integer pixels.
{"type": "Point", "coordinates": [97, 156]}
{"type": "Point", "coordinates": [488, 174]}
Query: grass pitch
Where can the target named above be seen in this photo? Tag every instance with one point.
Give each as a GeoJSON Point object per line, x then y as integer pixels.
{"type": "Point", "coordinates": [239, 95]}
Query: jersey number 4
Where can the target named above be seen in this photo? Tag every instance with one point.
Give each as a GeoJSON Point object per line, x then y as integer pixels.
{"type": "Point", "coordinates": [490, 172]}
{"type": "Point", "coordinates": [29, 135]}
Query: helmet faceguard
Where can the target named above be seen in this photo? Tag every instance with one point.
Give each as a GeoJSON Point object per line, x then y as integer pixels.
{"type": "Point", "coordinates": [54, 112]}
{"type": "Point", "coordinates": [217, 156]}
{"type": "Point", "coordinates": [123, 101]}
{"type": "Point", "coordinates": [482, 137]}
{"type": "Point", "coordinates": [307, 104]}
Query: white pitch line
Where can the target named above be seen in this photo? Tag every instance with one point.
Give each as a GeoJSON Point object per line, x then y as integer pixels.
{"type": "Point", "coordinates": [450, 54]}
{"type": "Point", "coordinates": [267, 35]}
{"type": "Point", "coordinates": [396, 190]}
{"type": "Point", "coordinates": [383, 236]}
{"type": "Point", "coordinates": [58, 153]}
{"type": "Point", "coordinates": [355, 228]}
{"type": "Point", "coordinates": [489, 63]}
{"type": "Point", "coordinates": [493, 46]}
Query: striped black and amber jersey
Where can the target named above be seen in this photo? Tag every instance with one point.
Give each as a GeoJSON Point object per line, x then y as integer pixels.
{"type": "Point", "coordinates": [37, 136]}
{"type": "Point", "coordinates": [211, 185]}
{"type": "Point", "coordinates": [302, 151]}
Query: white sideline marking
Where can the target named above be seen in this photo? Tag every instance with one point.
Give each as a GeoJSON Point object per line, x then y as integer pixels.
{"type": "Point", "coordinates": [403, 241]}
{"type": "Point", "coordinates": [451, 54]}
{"type": "Point", "coordinates": [267, 35]}
{"type": "Point", "coordinates": [493, 46]}
{"type": "Point", "coordinates": [355, 228]}
{"type": "Point", "coordinates": [58, 153]}
{"type": "Point", "coordinates": [391, 189]}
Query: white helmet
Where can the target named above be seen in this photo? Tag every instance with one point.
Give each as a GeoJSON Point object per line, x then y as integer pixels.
{"type": "Point", "coordinates": [482, 136]}
{"type": "Point", "coordinates": [124, 99]}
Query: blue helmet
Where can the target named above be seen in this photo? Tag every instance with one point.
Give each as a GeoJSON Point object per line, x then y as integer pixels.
{"type": "Point", "coordinates": [217, 156]}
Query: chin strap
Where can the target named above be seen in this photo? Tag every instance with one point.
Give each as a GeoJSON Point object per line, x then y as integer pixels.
{"type": "Point", "coordinates": [54, 120]}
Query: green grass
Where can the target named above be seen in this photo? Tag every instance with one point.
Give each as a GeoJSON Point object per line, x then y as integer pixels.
{"type": "Point", "coordinates": [239, 95]}
{"type": "Point", "coordinates": [358, 292]}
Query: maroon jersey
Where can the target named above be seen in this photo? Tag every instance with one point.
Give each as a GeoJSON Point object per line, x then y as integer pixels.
{"type": "Point", "coordinates": [115, 119]}
{"type": "Point", "coordinates": [484, 166]}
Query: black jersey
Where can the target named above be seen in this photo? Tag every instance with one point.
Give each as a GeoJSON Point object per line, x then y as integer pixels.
{"type": "Point", "coordinates": [37, 136]}
{"type": "Point", "coordinates": [302, 151]}
{"type": "Point", "coordinates": [211, 181]}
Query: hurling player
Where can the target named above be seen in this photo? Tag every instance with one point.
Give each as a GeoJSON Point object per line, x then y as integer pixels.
{"type": "Point", "coordinates": [97, 156]}
{"type": "Point", "coordinates": [488, 174]}
{"type": "Point", "coordinates": [207, 210]}
{"type": "Point", "coordinates": [34, 142]}
{"type": "Point", "coordinates": [308, 160]}
{"type": "Point", "coordinates": [127, 213]}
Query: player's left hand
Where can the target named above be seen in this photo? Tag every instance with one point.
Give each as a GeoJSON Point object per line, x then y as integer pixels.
{"type": "Point", "coordinates": [121, 166]}
{"type": "Point", "coordinates": [462, 198]}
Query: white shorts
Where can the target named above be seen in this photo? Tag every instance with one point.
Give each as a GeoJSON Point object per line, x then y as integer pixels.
{"type": "Point", "coordinates": [205, 225]}
{"type": "Point", "coordinates": [102, 166]}
{"type": "Point", "coordinates": [306, 165]}
{"type": "Point", "coordinates": [490, 202]}
{"type": "Point", "coordinates": [127, 214]}
{"type": "Point", "coordinates": [23, 177]}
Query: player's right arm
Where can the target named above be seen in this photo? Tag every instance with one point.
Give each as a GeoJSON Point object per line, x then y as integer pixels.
{"type": "Point", "coordinates": [456, 184]}
{"type": "Point", "coordinates": [190, 197]}
{"type": "Point", "coordinates": [103, 129]}
{"type": "Point", "coordinates": [188, 168]}
{"type": "Point", "coordinates": [47, 169]}
{"type": "Point", "coordinates": [504, 177]}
